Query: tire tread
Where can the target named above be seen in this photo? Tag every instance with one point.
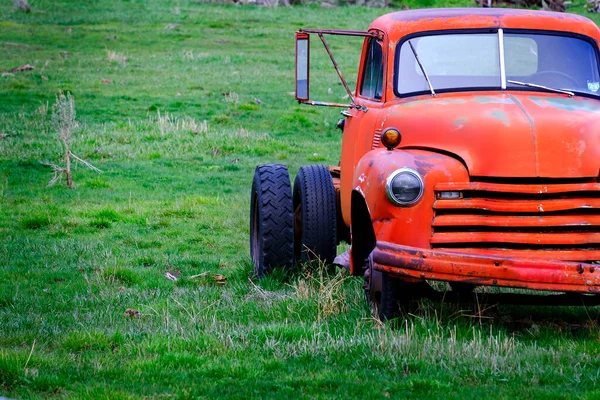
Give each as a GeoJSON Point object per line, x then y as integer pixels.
{"type": "Point", "coordinates": [313, 187]}
{"type": "Point", "coordinates": [271, 186]}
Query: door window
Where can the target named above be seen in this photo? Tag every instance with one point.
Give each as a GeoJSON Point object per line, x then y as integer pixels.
{"type": "Point", "coordinates": [372, 80]}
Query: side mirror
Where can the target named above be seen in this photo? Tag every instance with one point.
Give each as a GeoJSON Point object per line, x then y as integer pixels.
{"type": "Point", "coordinates": [302, 65]}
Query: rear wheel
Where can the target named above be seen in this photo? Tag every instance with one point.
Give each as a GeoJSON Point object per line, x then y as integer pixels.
{"type": "Point", "coordinates": [315, 226]}
{"type": "Point", "coordinates": [271, 219]}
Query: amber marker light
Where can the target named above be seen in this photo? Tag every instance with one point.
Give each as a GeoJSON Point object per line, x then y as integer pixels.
{"type": "Point", "coordinates": [391, 138]}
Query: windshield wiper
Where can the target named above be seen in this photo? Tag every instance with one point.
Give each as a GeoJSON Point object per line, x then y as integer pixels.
{"type": "Point", "coordinates": [422, 68]}
{"type": "Point", "coordinates": [533, 85]}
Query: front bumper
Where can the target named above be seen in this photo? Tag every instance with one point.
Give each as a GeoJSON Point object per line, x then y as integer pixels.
{"type": "Point", "coordinates": [416, 263]}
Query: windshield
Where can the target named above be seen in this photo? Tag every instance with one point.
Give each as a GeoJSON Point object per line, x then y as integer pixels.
{"type": "Point", "coordinates": [473, 61]}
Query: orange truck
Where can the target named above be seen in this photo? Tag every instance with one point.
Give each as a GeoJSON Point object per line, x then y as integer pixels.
{"type": "Point", "coordinates": [470, 155]}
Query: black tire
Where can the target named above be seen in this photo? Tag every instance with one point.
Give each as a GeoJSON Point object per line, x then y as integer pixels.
{"type": "Point", "coordinates": [315, 229]}
{"type": "Point", "coordinates": [462, 288]}
{"type": "Point", "coordinates": [394, 298]}
{"type": "Point", "coordinates": [372, 287]}
{"type": "Point", "coordinates": [388, 297]}
{"type": "Point", "coordinates": [271, 219]}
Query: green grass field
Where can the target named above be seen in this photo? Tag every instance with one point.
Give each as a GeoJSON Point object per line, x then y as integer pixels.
{"type": "Point", "coordinates": [165, 96]}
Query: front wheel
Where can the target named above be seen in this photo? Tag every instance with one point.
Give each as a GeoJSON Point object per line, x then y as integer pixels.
{"type": "Point", "coordinates": [387, 297]}
{"type": "Point", "coordinates": [271, 219]}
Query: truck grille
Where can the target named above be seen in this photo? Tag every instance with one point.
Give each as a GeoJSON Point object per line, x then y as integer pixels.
{"type": "Point", "coordinates": [377, 139]}
{"type": "Point", "coordinates": [548, 221]}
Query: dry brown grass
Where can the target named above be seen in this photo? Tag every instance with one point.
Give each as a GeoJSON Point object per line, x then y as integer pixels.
{"type": "Point", "coordinates": [117, 58]}
{"type": "Point", "coordinates": [325, 287]}
{"type": "Point", "coordinates": [170, 124]}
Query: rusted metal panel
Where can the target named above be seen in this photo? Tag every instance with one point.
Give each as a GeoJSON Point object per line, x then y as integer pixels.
{"type": "Point", "coordinates": [519, 206]}
{"type": "Point", "coordinates": [527, 141]}
{"type": "Point", "coordinates": [521, 221]}
{"type": "Point", "coordinates": [518, 237]}
{"type": "Point", "coordinates": [584, 254]}
{"type": "Point", "coordinates": [528, 188]}
{"type": "Point", "coordinates": [547, 221]}
{"type": "Point", "coordinates": [404, 261]}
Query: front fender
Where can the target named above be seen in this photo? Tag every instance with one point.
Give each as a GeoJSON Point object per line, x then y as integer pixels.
{"type": "Point", "coordinates": [410, 226]}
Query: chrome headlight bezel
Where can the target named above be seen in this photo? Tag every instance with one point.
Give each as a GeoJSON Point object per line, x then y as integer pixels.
{"type": "Point", "coordinates": [390, 193]}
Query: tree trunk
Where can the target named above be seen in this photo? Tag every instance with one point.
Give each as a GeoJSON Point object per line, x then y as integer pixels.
{"type": "Point", "coordinates": [68, 169]}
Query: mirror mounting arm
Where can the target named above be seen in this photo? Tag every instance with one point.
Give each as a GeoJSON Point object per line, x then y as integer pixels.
{"type": "Point", "coordinates": [303, 34]}
{"type": "Point", "coordinates": [338, 70]}
{"type": "Point", "coordinates": [326, 104]}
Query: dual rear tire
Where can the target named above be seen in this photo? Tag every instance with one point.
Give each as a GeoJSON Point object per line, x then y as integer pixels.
{"type": "Point", "coordinates": [271, 221]}
{"type": "Point", "coordinates": [315, 222]}
{"type": "Point", "coordinates": [300, 225]}
{"type": "Point", "coordinates": [286, 228]}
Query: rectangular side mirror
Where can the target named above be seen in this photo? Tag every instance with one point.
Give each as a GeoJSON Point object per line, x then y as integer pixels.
{"type": "Point", "coordinates": [302, 65]}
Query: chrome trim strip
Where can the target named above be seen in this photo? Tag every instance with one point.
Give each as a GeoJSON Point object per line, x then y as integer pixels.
{"type": "Point", "coordinates": [502, 65]}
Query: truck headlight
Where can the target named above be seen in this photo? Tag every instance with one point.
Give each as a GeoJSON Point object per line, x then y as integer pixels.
{"type": "Point", "coordinates": [404, 187]}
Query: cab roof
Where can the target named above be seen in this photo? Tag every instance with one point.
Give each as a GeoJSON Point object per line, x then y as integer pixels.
{"type": "Point", "coordinates": [402, 23]}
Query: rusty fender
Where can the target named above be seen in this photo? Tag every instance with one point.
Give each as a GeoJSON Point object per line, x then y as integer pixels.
{"type": "Point", "coordinates": [406, 225]}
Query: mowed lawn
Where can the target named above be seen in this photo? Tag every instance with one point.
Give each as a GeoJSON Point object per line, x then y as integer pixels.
{"type": "Point", "coordinates": [177, 102]}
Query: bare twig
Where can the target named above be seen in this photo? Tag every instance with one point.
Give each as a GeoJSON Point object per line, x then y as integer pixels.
{"type": "Point", "coordinates": [30, 353]}
{"type": "Point", "coordinates": [87, 164]}
{"type": "Point", "coordinates": [220, 279]}
{"type": "Point", "coordinates": [22, 68]}
{"type": "Point", "coordinates": [58, 172]}
{"type": "Point", "coordinates": [171, 277]}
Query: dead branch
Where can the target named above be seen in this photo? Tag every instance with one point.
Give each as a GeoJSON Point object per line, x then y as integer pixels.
{"type": "Point", "coordinates": [86, 163]}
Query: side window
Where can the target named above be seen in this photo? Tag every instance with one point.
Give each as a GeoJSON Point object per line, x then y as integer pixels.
{"type": "Point", "coordinates": [372, 80]}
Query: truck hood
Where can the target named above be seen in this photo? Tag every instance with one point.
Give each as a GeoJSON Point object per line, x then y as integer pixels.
{"type": "Point", "coordinates": [504, 134]}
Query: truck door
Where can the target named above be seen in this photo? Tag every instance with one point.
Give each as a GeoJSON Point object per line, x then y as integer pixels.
{"type": "Point", "coordinates": [361, 128]}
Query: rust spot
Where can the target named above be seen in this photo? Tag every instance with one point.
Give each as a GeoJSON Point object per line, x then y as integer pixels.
{"type": "Point", "coordinates": [566, 104]}
{"type": "Point", "coordinates": [460, 122]}
{"type": "Point", "coordinates": [423, 166]}
{"type": "Point", "coordinates": [501, 116]}
{"type": "Point", "coordinates": [491, 100]}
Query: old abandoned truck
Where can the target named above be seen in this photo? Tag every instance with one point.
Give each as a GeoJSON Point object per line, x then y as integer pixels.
{"type": "Point", "coordinates": [470, 155]}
